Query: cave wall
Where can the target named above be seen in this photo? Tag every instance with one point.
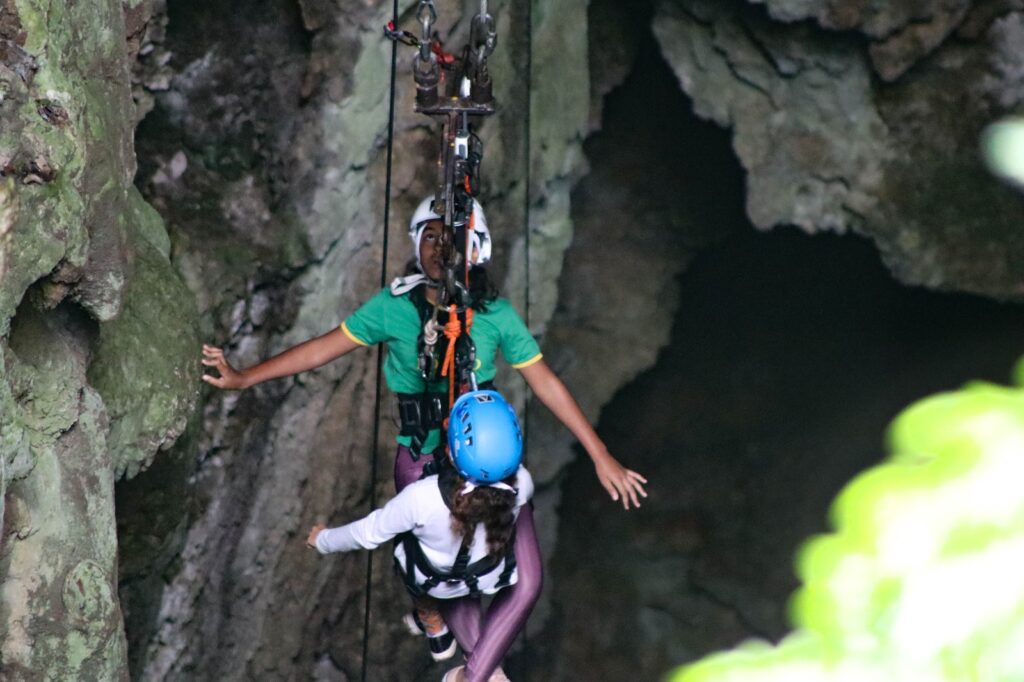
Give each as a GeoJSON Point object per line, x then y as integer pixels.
{"type": "Point", "coordinates": [261, 146]}
{"type": "Point", "coordinates": [866, 117]}
{"type": "Point", "coordinates": [904, 172]}
{"type": "Point", "coordinates": [97, 333]}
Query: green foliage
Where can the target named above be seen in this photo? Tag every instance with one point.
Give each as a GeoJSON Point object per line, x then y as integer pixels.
{"type": "Point", "coordinates": [921, 580]}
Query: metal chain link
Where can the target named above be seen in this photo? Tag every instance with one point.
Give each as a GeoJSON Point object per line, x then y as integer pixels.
{"type": "Point", "coordinates": [427, 15]}
{"type": "Point", "coordinates": [483, 33]}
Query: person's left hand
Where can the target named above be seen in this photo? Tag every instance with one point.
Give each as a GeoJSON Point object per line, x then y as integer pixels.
{"type": "Point", "coordinates": [311, 540]}
{"type": "Point", "coordinates": [621, 483]}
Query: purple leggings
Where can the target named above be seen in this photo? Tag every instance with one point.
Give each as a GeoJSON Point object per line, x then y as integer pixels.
{"type": "Point", "coordinates": [486, 638]}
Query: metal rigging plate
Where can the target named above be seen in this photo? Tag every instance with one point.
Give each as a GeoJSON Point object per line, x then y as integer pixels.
{"type": "Point", "coordinates": [457, 105]}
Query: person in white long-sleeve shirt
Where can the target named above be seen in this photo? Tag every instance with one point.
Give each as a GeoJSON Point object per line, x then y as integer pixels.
{"type": "Point", "coordinates": [457, 530]}
{"type": "Point", "coordinates": [421, 509]}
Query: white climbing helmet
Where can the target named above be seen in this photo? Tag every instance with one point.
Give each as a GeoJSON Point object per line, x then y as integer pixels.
{"type": "Point", "coordinates": [480, 240]}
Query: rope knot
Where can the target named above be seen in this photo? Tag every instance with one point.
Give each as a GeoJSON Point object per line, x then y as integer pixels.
{"type": "Point", "coordinates": [452, 331]}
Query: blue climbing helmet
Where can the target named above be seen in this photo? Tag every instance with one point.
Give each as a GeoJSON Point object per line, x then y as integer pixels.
{"type": "Point", "coordinates": [484, 438]}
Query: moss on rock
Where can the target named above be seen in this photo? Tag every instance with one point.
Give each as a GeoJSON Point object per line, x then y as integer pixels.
{"type": "Point", "coordinates": [84, 277]}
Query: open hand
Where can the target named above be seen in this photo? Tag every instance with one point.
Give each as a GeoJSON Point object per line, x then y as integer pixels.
{"type": "Point", "coordinates": [620, 482]}
{"type": "Point", "coordinates": [229, 378]}
{"type": "Point", "coordinates": [311, 539]}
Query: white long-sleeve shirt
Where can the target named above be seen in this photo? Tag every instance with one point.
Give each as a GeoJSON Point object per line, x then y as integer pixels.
{"type": "Point", "coordinates": [421, 509]}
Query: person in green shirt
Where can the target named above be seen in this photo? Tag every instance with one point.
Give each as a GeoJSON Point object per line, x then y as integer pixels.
{"type": "Point", "coordinates": [395, 316]}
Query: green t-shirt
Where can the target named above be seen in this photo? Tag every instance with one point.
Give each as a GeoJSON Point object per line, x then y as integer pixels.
{"type": "Point", "coordinates": [394, 320]}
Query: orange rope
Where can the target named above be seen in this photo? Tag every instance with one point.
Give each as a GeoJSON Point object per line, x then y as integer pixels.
{"type": "Point", "coordinates": [452, 331]}
{"type": "Point", "coordinates": [469, 238]}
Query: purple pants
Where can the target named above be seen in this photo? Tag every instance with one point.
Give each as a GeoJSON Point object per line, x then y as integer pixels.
{"type": "Point", "coordinates": [486, 638]}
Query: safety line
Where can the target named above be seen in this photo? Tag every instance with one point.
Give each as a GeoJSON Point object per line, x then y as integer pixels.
{"type": "Point", "coordinates": [380, 349]}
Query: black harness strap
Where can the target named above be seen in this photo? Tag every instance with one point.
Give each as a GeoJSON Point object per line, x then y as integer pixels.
{"type": "Point", "coordinates": [462, 571]}
{"type": "Point", "coordinates": [421, 413]}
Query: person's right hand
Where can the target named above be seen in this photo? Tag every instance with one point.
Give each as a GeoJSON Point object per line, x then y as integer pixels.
{"type": "Point", "coordinates": [229, 378]}
{"type": "Point", "coordinates": [314, 531]}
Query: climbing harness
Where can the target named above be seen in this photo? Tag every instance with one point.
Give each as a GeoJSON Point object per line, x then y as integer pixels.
{"type": "Point", "coordinates": [451, 90]}
{"type": "Point", "coordinates": [421, 413]}
{"type": "Point", "coordinates": [420, 575]}
{"type": "Point", "coordinates": [462, 570]}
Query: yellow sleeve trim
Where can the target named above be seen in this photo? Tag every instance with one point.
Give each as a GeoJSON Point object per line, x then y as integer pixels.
{"type": "Point", "coordinates": [532, 361]}
{"type": "Point", "coordinates": [349, 334]}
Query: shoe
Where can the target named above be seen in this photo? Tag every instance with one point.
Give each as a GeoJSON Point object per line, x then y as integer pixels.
{"type": "Point", "coordinates": [456, 674]}
{"type": "Point", "coordinates": [442, 646]}
{"type": "Point", "coordinates": [412, 623]}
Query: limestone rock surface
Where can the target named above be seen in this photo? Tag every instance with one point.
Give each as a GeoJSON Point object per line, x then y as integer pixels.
{"type": "Point", "coordinates": [79, 259]}
{"type": "Point", "coordinates": [253, 219]}
{"type": "Point", "coordinates": [827, 146]}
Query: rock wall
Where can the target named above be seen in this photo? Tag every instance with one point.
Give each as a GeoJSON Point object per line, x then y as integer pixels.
{"type": "Point", "coordinates": [866, 119]}
{"type": "Point", "coordinates": [97, 334]}
{"type": "Point", "coordinates": [261, 147]}
{"type": "Point", "coordinates": [902, 171]}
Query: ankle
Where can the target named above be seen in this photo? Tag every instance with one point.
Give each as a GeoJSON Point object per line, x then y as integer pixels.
{"type": "Point", "coordinates": [433, 624]}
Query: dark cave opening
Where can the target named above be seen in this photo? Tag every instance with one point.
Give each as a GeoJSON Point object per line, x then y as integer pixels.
{"type": "Point", "coordinates": [789, 355]}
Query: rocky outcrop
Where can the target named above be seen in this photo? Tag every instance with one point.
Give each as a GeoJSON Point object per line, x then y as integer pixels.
{"type": "Point", "coordinates": [829, 146]}
{"type": "Point", "coordinates": [96, 331]}
{"type": "Point", "coordinates": [261, 146]}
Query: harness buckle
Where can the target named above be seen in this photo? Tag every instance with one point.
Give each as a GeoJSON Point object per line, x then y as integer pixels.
{"type": "Point", "coordinates": [435, 410]}
{"type": "Point", "coordinates": [409, 413]}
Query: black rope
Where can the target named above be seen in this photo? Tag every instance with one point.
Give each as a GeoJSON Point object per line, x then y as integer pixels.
{"type": "Point", "coordinates": [380, 348]}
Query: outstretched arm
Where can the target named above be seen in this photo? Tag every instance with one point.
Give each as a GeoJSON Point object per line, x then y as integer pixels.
{"type": "Point", "coordinates": [305, 356]}
{"type": "Point", "coordinates": [620, 482]}
{"type": "Point", "coordinates": [402, 513]}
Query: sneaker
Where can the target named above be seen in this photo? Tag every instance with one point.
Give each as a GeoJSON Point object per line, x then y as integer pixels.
{"type": "Point", "coordinates": [442, 646]}
{"type": "Point", "coordinates": [412, 623]}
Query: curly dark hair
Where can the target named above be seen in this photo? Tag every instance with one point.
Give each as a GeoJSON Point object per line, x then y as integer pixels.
{"type": "Point", "coordinates": [492, 507]}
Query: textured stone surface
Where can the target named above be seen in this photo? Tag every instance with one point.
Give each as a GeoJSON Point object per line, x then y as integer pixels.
{"type": "Point", "coordinates": [904, 169]}
{"type": "Point", "coordinates": [901, 33]}
{"type": "Point", "coordinates": [261, 145]}
{"type": "Point", "coordinates": [789, 355]}
{"type": "Point", "coordinates": [82, 262]}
